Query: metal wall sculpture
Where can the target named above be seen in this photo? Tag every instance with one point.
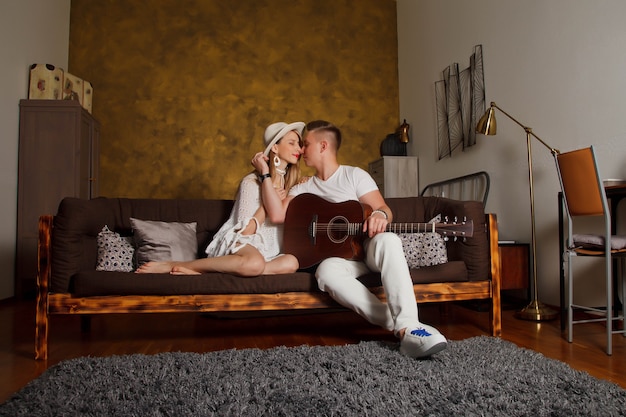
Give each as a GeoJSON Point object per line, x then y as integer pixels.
{"type": "Point", "coordinates": [460, 100]}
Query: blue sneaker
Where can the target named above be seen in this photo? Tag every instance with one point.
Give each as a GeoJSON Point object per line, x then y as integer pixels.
{"type": "Point", "coordinates": [422, 341]}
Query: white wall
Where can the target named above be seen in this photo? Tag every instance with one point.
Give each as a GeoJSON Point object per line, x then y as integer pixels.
{"type": "Point", "coordinates": [557, 66]}
{"type": "Point", "coordinates": [31, 31]}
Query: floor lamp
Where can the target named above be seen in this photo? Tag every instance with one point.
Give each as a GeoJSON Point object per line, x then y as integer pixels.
{"type": "Point", "coordinates": [536, 310]}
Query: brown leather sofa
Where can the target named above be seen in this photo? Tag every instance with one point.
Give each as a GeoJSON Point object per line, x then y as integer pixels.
{"type": "Point", "coordinates": [68, 282]}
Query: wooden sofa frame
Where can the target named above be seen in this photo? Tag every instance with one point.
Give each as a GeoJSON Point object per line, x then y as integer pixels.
{"type": "Point", "coordinates": [49, 303]}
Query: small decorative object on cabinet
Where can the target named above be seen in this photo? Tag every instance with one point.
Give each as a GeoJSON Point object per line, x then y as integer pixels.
{"type": "Point", "coordinates": [45, 82]}
{"type": "Point", "coordinates": [58, 157]}
{"type": "Point", "coordinates": [395, 143]}
{"type": "Point", "coordinates": [50, 82]}
{"type": "Point", "coordinates": [396, 176]}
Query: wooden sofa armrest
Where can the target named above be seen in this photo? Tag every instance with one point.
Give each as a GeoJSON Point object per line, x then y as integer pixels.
{"type": "Point", "coordinates": [44, 256]}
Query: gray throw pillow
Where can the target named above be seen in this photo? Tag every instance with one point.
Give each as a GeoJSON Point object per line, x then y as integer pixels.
{"type": "Point", "coordinates": [164, 241]}
{"type": "Point", "coordinates": [115, 253]}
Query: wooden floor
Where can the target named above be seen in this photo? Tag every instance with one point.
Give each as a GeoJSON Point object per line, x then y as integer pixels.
{"type": "Point", "coordinates": [153, 333]}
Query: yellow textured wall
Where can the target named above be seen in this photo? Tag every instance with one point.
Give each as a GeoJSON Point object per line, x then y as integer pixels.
{"type": "Point", "coordinates": [185, 88]}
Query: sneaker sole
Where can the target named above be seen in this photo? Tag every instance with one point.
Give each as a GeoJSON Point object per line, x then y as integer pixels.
{"type": "Point", "coordinates": [437, 347]}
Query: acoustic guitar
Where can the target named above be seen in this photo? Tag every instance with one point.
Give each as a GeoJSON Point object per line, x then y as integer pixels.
{"type": "Point", "coordinates": [316, 229]}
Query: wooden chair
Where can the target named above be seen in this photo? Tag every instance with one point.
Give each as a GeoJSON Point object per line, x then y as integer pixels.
{"type": "Point", "coordinates": [584, 196]}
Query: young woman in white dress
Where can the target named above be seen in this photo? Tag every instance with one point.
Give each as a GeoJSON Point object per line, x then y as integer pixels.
{"type": "Point", "coordinates": [249, 244]}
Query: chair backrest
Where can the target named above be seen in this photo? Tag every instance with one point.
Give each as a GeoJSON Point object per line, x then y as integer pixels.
{"type": "Point", "coordinates": [581, 183]}
{"type": "Point", "coordinates": [471, 187]}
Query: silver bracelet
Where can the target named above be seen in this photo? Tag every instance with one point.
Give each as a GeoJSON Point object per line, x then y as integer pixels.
{"type": "Point", "coordinates": [384, 213]}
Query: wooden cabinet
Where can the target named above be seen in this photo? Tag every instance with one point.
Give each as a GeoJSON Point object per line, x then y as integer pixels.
{"type": "Point", "coordinates": [58, 157]}
{"type": "Point", "coordinates": [396, 176]}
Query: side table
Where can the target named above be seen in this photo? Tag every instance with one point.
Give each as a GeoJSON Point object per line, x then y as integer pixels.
{"type": "Point", "coordinates": [515, 267]}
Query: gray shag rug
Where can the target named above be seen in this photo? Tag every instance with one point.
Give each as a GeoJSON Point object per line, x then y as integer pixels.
{"type": "Point", "coordinates": [480, 376]}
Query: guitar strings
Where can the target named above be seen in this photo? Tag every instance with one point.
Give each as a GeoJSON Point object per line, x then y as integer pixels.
{"type": "Point", "coordinates": [395, 227]}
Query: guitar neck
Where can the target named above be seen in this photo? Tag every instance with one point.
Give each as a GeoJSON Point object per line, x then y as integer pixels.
{"type": "Point", "coordinates": [356, 228]}
{"type": "Point", "coordinates": [463, 229]}
{"type": "Point", "coordinates": [411, 227]}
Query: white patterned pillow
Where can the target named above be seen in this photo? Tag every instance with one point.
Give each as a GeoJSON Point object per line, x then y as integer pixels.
{"type": "Point", "coordinates": [115, 253]}
{"type": "Point", "coordinates": [424, 249]}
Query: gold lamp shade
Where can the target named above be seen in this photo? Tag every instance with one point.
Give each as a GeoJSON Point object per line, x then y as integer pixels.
{"type": "Point", "coordinates": [487, 124]}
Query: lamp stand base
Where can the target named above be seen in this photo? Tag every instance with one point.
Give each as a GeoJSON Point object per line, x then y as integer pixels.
{"type": "Point", "coordinates": [536, 311]}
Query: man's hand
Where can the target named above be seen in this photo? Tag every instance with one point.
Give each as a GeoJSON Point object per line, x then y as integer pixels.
{"type": "Point", "coordinates": [374, 224]}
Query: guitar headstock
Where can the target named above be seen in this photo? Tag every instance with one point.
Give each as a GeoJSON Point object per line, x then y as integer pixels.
{"type": "Point", "coordinates": [455, 229]}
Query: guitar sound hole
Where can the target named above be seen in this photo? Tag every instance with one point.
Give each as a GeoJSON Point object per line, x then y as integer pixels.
{"type": "Point", "coordinates": [337, 230]}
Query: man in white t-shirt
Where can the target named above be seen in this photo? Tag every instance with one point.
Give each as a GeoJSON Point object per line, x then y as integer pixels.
{"type": "Point", "coordinates": [383, 250]}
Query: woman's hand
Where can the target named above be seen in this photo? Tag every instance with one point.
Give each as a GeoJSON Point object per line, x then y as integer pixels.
{"type": "Point", "coordinates": [259, 162]}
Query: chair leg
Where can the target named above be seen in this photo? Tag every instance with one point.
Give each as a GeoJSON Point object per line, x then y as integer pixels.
{"type": "Point", "coordinates": [570, 299]}
{"type": "Point", "coordinates": [609, 305]}
{"type": "Point", "coordinates": [622, 271]}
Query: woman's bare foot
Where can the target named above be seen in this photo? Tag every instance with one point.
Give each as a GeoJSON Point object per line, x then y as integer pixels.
{"type": "Point", "coordinates": [181, 270]}
{"type": "Point", "coordinates": [156, 267]}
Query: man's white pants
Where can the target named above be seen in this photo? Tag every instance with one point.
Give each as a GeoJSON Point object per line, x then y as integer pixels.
{"type": "Point", "coordinates": [384, 254]}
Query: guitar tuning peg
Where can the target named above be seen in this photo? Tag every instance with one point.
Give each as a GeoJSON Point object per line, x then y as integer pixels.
{"type": "Point", "coordinates": [455, 219]}
{"type": "Point", "coordinates": [446, 238]}
{"type": "Point", "coordinates": [445, 219]}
